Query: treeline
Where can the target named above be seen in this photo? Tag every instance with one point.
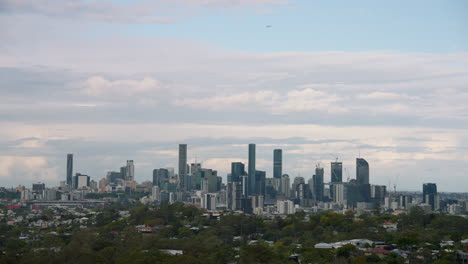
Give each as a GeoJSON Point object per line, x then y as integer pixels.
{"type": "Point", "coordinates": [231, 238]}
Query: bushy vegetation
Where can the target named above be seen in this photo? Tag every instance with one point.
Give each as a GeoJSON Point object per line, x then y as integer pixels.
{"type": "Point", "coordinates": [231, 238]}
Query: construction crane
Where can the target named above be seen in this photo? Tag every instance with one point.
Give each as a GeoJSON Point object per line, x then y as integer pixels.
{"type": "Point", "coordinates": [335, 157]}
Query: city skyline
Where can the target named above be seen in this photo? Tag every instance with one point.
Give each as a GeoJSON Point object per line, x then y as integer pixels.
{"type": "Point", "coordinates": [122, 80]}
{"type": "Point", "coordinates": [362, 175]}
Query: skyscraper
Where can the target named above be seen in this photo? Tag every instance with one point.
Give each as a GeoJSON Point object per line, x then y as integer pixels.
{"type": "Point", "coordinates": [69, 169]}
{"type": "Point", "coordinates": [277, 163]}
{"type": "Point", "coordinates": [252, 171]}
{"type": "Point", "coordinates": [237, 170]}
{"type": "Point", "coordinates": [318, 184]}
{"type": "Point", "coordinates": [130, 171]}
{"type": "Point", "coordinates": [182, 166]}
{"type": "Point", "coordinates": [260, 178]}
{"type": "Point", "coordinates": [336, 172]}
{"type": "Point", "coordinates": [194, 169]}
{"type": "Point", "coordinates": [362, 171]}
{"type": "Point", "coordinates": [285, 185]}
{"type": "Point", "coordinates": [430, 194]}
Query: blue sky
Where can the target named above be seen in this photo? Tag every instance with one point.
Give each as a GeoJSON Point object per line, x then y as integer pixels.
{"type": "Point", "coordinates": [115, 80]}
{"type": "Point", "coordinates": [411, 26]}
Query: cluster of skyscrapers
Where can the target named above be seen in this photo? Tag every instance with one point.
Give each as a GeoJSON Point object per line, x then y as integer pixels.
{"type": "Point", "coordinates": [248, 189]}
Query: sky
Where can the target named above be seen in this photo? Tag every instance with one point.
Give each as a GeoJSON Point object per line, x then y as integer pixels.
{"type": "Point", "coordinates": [115, 80]}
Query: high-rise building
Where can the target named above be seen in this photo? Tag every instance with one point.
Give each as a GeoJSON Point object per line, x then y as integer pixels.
{"type": "Point", "coordinates": [161, 178]}
{"type": "Point", "coordinates": [260, 178]}
{"type": "Point", "coordinates": [297, 181]}
{"type": "Point", "coordinates": [339, 193]}
{"type": "Point", "coordinates": [336, 172]}
{"type": "Point", "coordinates": [378, 193]}
{"type": "Point", "coordinates": [237, 170]}
{"type": "Point", "coordinates": [123, 172]}
{"type": "Point", "coordinates": [182, 166]}
{"type": "Point", "coordinates": [112, 176]}
{"type": "Point", "coordinates": [83, 181]}
{"type": "Point", "coordinates": [194, 169]}
{"type": "Point", "coordinates": [69, 169]}
{"type": "Point", "coordinates": [285, 207]}
{"type": "Point", "coordinates": [285, 186]}
{"type": "Point", "coordinates": [277, 163]}
{"type": "Point", "coordinates": [362, 171]}
{"type": "Point", "coordinates": [430, 195]}
{"type": "Point", "coordinates": [38, 187]}
{"type": "Point", "coordinates": [130, 171]}
{"type": "Point", "coordinates": [209, 201]}
{"type": "Point", "coordinates": [252, 171]}
{"type": "Point", "coordinates": [234, 195]}
{"type": "Point", "coordinates": [318, 188]}
{"type": "Point", "coordinates": [156, 193]}
{"type": "Point", "coordinates": [156, 177]}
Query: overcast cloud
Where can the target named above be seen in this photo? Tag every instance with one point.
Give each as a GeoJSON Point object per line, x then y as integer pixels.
{"type": "Point", "coordinates": [108, 97]}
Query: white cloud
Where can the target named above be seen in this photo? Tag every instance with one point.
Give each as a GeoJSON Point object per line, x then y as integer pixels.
{"type": "Point", "coordinates": [31, 168]}
{"type": "Point", "coordinates": [99, 86]}
{"type": "Point", "coordinates": [157, 11]}
{"type": "Point", "coordinates": [269, 101]}
{"type": "Point", "coordinates": [378, 95]}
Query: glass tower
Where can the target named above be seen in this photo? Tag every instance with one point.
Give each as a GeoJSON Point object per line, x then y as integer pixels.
{"type": "Point", "coordinates": [182, 166]}
{"type": "Point", "coordinates": [252, 172]}
{"type": "Point", "coordinates": [69, 169]}
{"type": "Point", "coordinates": [277, 163]}
{"type": "Point", "coordinates": [362, 171]}
{"type": "Point", "coordinates": [336, 172]}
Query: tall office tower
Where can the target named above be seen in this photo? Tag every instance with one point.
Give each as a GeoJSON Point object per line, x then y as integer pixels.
{"type": "Point", "coordinates": [260, 182]}
{"type": "Point", "coordinates": [237, 170]}
{"type": "Point", "coordinates": [182, 166]}
{"type": "Point", "coordinates": [252, 171]}
{"type": "Point", "coordinates": [112, 176]}
{"type": "Point", "coordinates": [69, 169]}
{"type": "Point", "coordinates": [430, 195]}
{"type": "Point", "coordinates": [156, 193]}
{"type": "Point", "coordinates": [285, 186]}
{"type": "Point", "coordinates": [378, 193]}
{"type": "Point", "coordinates": [317, 179]}
{"type": "Point", "coordinates": [277, 163]}
{"type": "Point", "coordinates": [156, 179]}
{"type": "Point", "coordinates": [339, 193]}
{"type": "Point", "coordinates": [231, 195]}
{"type": "Point", "coordinates": [336, 172]}
{"type": "Point", "coordinates": [130, 171]}
{"type": "Point", "coordinates": [245, 185]}
{"type": "Point", "coordinates": [362, 171]}
{"type": "Point", "coordinates": [123, 172]}
{"type": "Point", "coordinates": [82, 181]}
{"type": "Point", "coordinates": [194, 169]}
{"type": "Point", "coordinates": [296, 182]}
{"type": "Point", "coordinates": [209, 201]}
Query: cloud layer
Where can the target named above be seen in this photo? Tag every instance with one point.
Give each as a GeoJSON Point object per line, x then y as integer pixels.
{"type": "Point", "coordinates": [108, 97]}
